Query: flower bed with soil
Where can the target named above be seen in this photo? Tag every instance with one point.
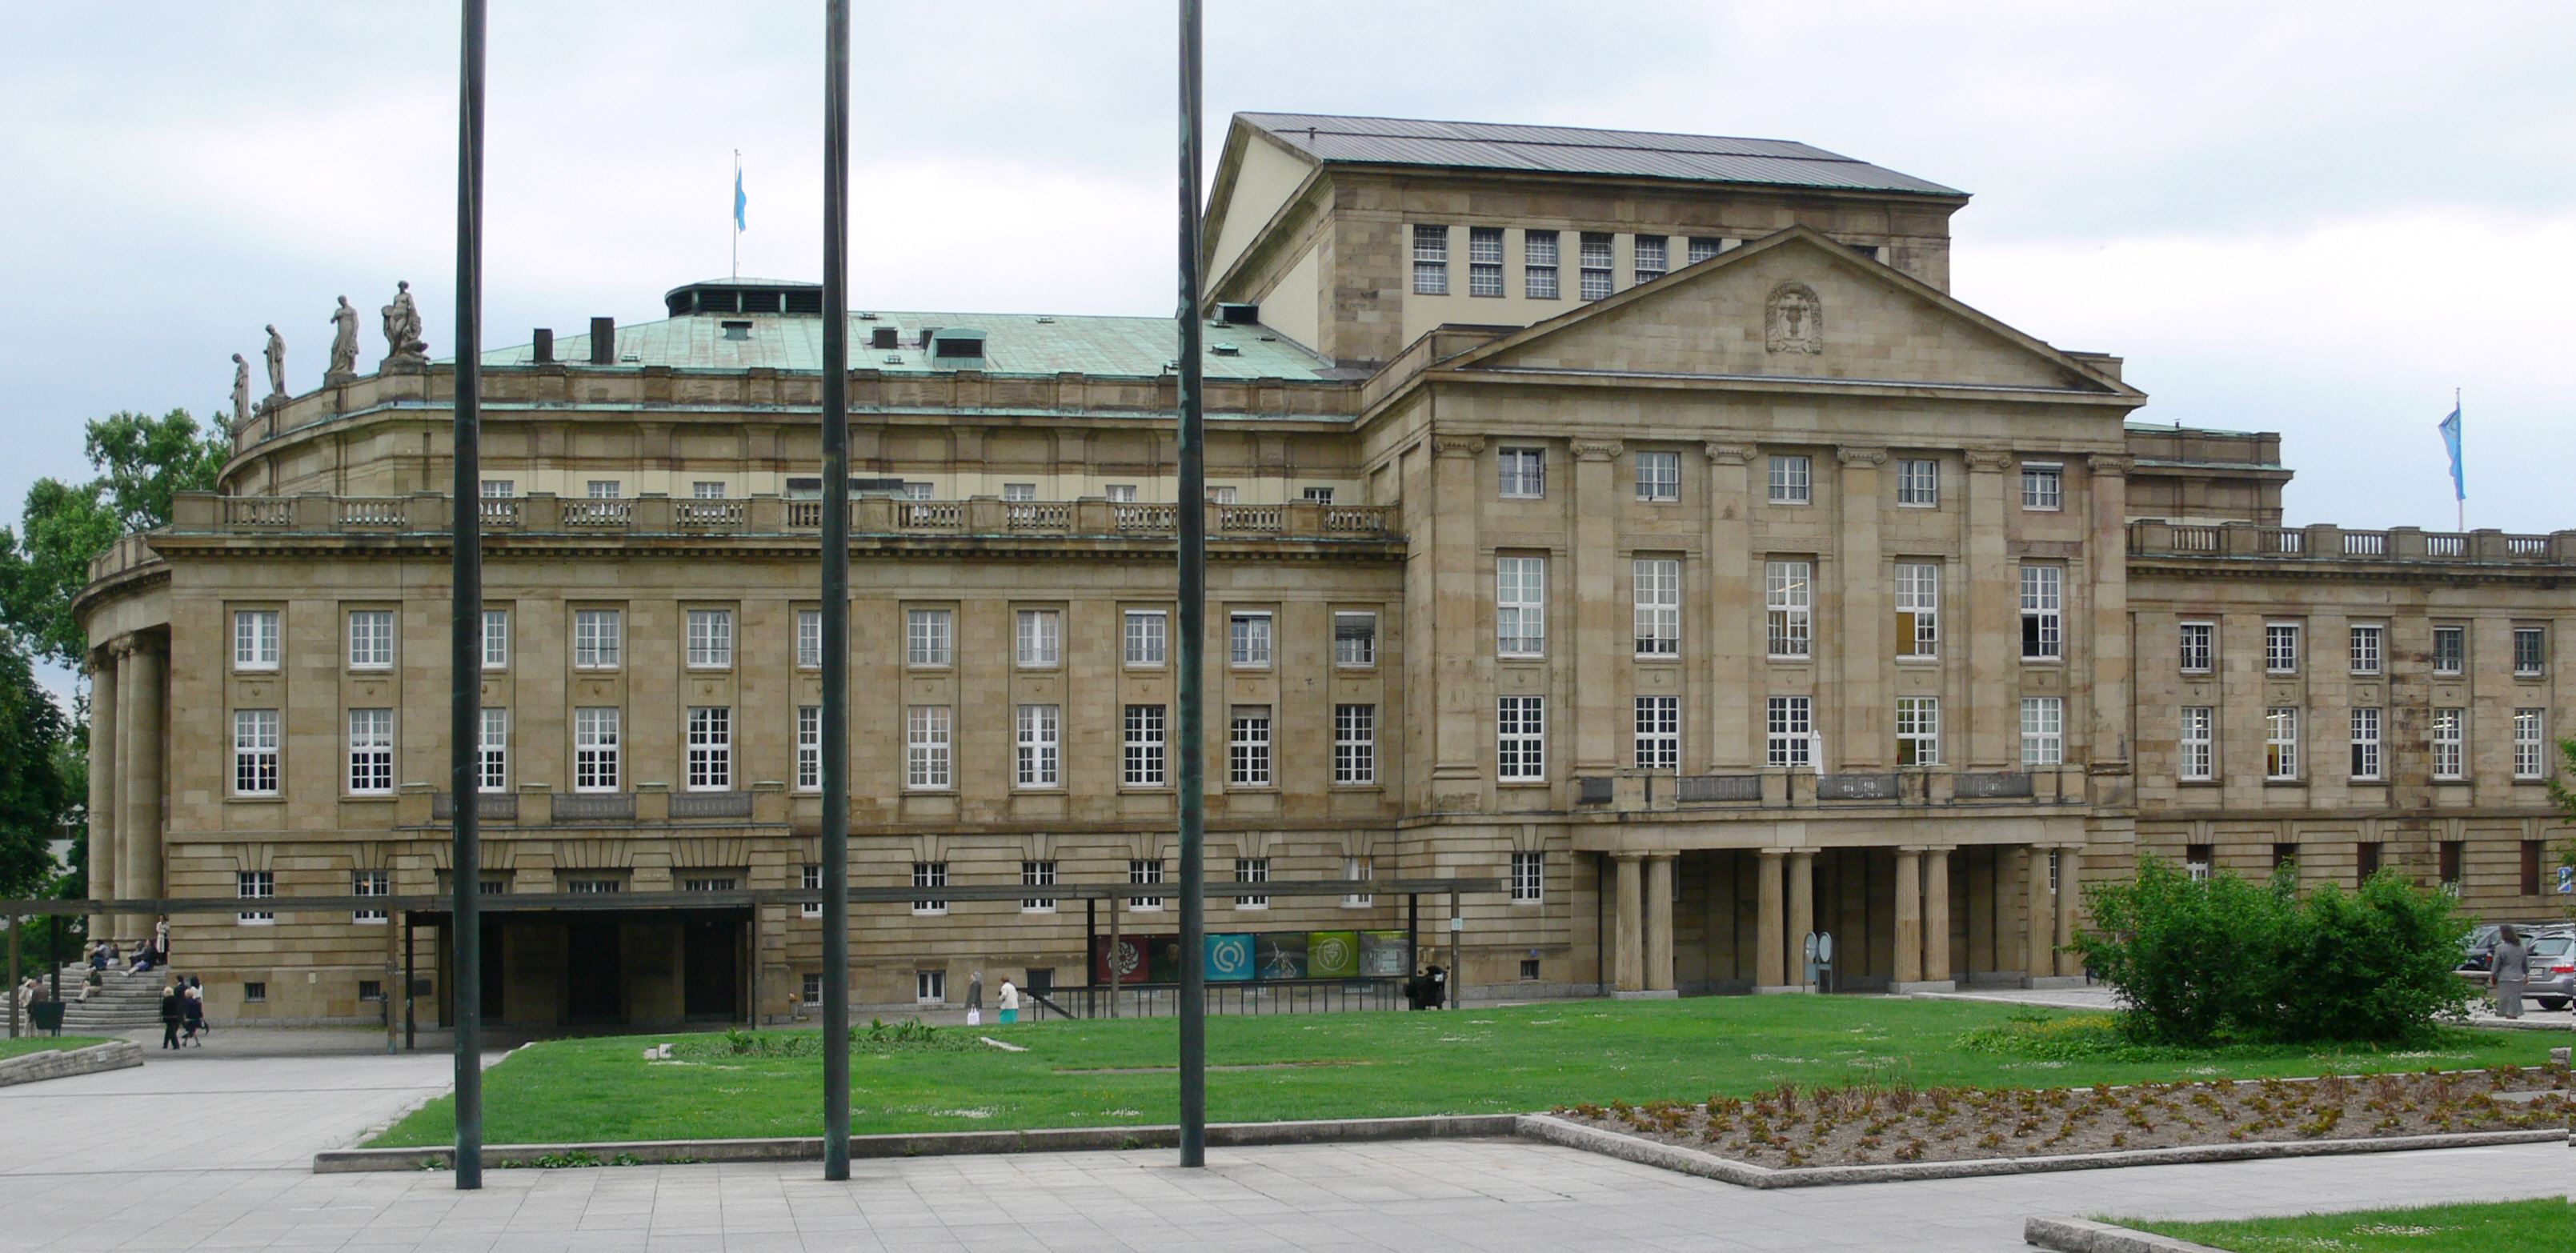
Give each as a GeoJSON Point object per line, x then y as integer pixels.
{"type": "Point", "coordinates": [1875, 1125]}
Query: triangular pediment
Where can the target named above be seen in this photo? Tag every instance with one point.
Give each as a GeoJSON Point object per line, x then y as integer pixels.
{"type": "Point", "coordinates": [1793, 305]}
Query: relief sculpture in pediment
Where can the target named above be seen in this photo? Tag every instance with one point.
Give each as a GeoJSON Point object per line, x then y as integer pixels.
{"type": "Point", "coordinates": [1795, 319]}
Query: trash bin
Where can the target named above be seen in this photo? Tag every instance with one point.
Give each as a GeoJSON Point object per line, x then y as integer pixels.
{"type": "Point", "coordinates": [48, 1016]}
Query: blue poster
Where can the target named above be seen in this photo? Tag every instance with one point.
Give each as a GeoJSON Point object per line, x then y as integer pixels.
{"type": "Point", "coordinates": [1229, 957]}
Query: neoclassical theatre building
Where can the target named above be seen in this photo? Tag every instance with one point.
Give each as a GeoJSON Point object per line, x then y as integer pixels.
{"type": "Point", "coordinates": [1634, 520]}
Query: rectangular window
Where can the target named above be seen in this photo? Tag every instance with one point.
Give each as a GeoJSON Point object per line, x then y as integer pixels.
{"type": "Point", "coordinates": [2528, 759]}
{"type": "Point", "coordinates": [254, 752]}
{"type": "Point", "coordinates": [371, 639]}
{"type": "Point", "coordinates": [370, 883]}
{"type": "Point", "coordinates": [1520, 738]}
{"type": "Point", "coordinates": [919, 491]}
{"type": "Point", "coordinates": [598, 638]}
{"type": "Point", "coordinates": [496, 639]}
{"type": "Point", "coordinates": [926, 876]}
{"type": "Point", "coordinates": [812, 881]}
{"type": "Point", "coordinates": [2366, 642]}
{"type": "Point", "coordinates": [1223, 495]}
{"type": "Point", "coordinates": [707, 489]}
{"type": "Point", "coordinates": [1144, 871]}
{"type": "Point", "coordinates": [809, 639]}
{"type": "Point", "coordinates": [1354, 745]}
{"type": "Point", "coordinates": [2365, 745]}
{"type": "Point", "coordinates": [605, 489]}
{"type": "Point", "coordinates": [1037, 874]}
{"type": "Point", "coordinates": [1918, 730]}
{"type": "Point", "coordinates": [2447, 739]}
{"type": "Point", "coordinates": [2447, 862]}
{"type": "Point", "coordinates": [1354, 638]}
{"type": "Point", "coordinates": [1121, 493]}
{"type": "Point", "coordinates": [2281, 647]}
{"type": "Point", "coordinates": [2043, 731]}
{"type": "Point", "coordinates": [1538, 264]}
{"type": "Point", "coordinates": [595, 749]}
{"type": "Point", "coordinates": [1918, 483]}
{"type": "Point", "coordinates": [2280, 743]}
{"type": "Point", "coordinates": [2042, 606]}
{"type": "Point", "coordinates": [1252, 870]}
{"type": "Point", "coordinates": [2529, 650]}
{"type": "Point", "coordinates": [492, 752]}
{"type": "Point", "coordinates": [1650, 258]}
{"type": "Point", "coordinates": [1658, 594]}
{"type": "Point", "coordinates": [930, 987]}
{"type": "Point", "coordinates": [1041, 637]}
{"type": "Point", "coordinates": [1529, 878]}
{"type": "Point", "coordinates": [2450, 649]}
{"type": "Point", "coordinates": [601, 887]}
{"type": "Point", "coordinates": [1703, 247]}
{"type": "Point", "coordinates": [710, 639]}
{"type": "Point", "coordinates": [1596, 264]}
{"type": "Point", "coordinates": [811, 991]}
{"type": "Point", "coordinates": [2199, 646]}
{"type": "Point", "coordinates": [1039, 747]}
{"type": "Point", "coordinates": [725, 883]}
{"type": "Point", "coordinates": [2195, 861]}
{"type": "Point", "coordinates": [1247, 747]}
{"type": "Point", "coordinates": [1248, 639]}
{"type": "Point", "coordinates": [1144, 746]}
{"type": "Point", "coordinates": [1787, 590]}
{"type": "Point", "coordinates": [2531, 867]}
{"type": "Point", "coordinates": [255, 639]}
{"type": "Point", "coordinates": [1789, 732]}
{"type": "Point", "coordinates": [929, 637]}
{"type": "Point", "coordinates": [710, 748]}
{"type": "Point", "coordinates": [1659, 733]}
{"type": "Point", "coordinates": [1019, 492]}
{"type": "Point", "coordinates": [255, 885]}
{"type": "Point", "coordinates": [500, 489]}
{"type": "Point", "coordinates": [1358, 870]}
{"type": "Point", "coordinates": [2285, 857]}
{"type": "Point", "coordinates": [2195, 755]}
{"type": "Point", "coordinates": [1430, 260]}
{"type": "Point", "coordinates": [1316, 495]}
{"type": "Point", "coordinates": [1792, 480]}
{"type": "Point", "coordinates": [2043, 487]}
{"type": "Point", "coordinates": [925, 747]}
{"type": "Point", "coordinates": [1145, 634]}
{"type": "Point", "coordinates": [1918, 609]}
{"type": "Point", "coordinates": [371, 752]}
{"type": "Point", "coordinates": [1659, 476]}
{"type": "Point", "coordinates": [809, 748]}
{"type": "Point", "coordinates": [1520, 606]}
{"type": "Point", "coordinates": [1524, 473]}
{"type": "Point", "coordinates": [1484, 261]}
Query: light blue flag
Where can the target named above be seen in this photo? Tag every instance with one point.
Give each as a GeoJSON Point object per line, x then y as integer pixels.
{"type": "Point", "coordinates": [2451, 440]}
{"type": "Point", "coordinates": [738, 200]}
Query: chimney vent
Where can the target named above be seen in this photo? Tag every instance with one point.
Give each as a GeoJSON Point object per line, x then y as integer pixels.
{"type": "Point", "coordinates": [603, 341]}
{"type": "Point", "coordinates": [545, 345]}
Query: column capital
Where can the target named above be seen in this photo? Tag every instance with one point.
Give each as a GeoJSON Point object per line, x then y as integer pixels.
{"type": "Point", "coordinates": [1457, 445]}
{"type": "Point", "coordinates": [2110, 463]}
{"type": "Point", "coordinates": [1721, 453]}
{"type": "Point", "coordinates": [1988, 460]}
{"type": "Point", "coordinates": [1861, 455]}
{"type": "Point", "coordinates": [1597, 449]}
{"type": "Point", "coordinates": [122, 647]}
{"type": "Point", "coordinates": [1627, 856]}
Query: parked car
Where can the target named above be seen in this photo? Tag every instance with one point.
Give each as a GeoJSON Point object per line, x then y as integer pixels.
{"type": "Point", "coordinates": [2477, 950]}
{"type": "Point", "coordinates": [2553, 971]}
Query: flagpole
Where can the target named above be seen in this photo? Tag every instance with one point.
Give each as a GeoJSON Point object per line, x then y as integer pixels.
{"type": "Point", "coordinates": [737, 213]}
{"type": "Point", "coordinates": [2461, 496]}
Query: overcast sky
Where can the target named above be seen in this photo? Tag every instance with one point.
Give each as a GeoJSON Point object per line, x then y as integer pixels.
{"type": "Point", "coordinates": [2312, 219]}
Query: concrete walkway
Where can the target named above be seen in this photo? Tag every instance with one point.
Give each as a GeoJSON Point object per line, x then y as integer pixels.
{"type": "Point", "coordinates": [213, 1152]}
{"type": "Point", "coordinates": [2098, 997]}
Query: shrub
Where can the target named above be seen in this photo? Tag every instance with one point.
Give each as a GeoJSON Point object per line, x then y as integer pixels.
{"type": "Point", "coordinates": [2228, 961]}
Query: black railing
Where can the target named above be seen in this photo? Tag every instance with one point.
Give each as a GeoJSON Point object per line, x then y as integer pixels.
{"type": "Point", "coordinates": [1268, 996]}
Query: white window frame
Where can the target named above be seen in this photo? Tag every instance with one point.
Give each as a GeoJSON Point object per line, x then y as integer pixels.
{"type": "Point", "coordinates": [1317, 495]}
{"type": "Point", "coordinates": [710, 639]}
{"type": "Point", "coordinates": [1520, 606]}
{"type": "Point", "coordinates": [2367, 761]}
{"type": "Point", "coordinates": [2459, 652]}
{"type": "Point", "coordinates": [2369, 648]}
{"type": "Point", "coordinates": [1918, 483]}
{"type": "Point", "coordinates": [2281, 648]}
{"type": "Point", "coordinates": [1597, 264]}
{"type": "Point", "coordinates": [809, 639]}
{"type": "Point", "coordinates": [1659, 477]}
{"type": "Point", "coordinates": [1039, 638]}
{"type": "Point", "coordinates": [1354, 745]}
{"type": "Point", "coordinates": [1789, 732]}
{"type": "Point", "coordinates": [2196, 744]}
{"type": "Point", "coordinates": [1529, 878]}
{"type": "Point", "coordinates": [1019, 493]}
{"type": "Point", "coordinates": [2043, 613]}
{"type": "Point", "coordinates": [1649, 258]}
{"type": "Point", "coordinates": [598, 748]}
{"type": "Point", "coordinates": [1657, 742]}
{"type": "Point", "coordinates": [1358, 870]}
{"type": "Point", "coordinates": [1793, 479]}
{"type": "Point", "coordinates": [499, 489]}
{"type": "Point", "coordinates": [371, 639]}
{"type": "Point", "coordinates": [1247, 747]}
{"type": "Point", "coordinates": [929, 638]}
{"type": "Point", "coordinates": [1148, 636]}
{"type": "Point", "coordinates": [371, 752]}
{"type": "Point", "coordinates": [2530, 758]}
{"type": "Point", "coordinates": [929, 876]}
{"type": "Point", "coordinates": [1704, 247]}
{"type": "Point", "coordinates": [1248, 639]}
{"type": "Point", "coordinates": [929, 745]}
{"type": "Point", "coordinates": [2537, 657]}
{"type": "Point", "coordinates": [255, 639]}
{"type": "Point", "coordinates": [598, 638]}
{"type": "Point", "coordinates": [1144, 746]}
{"type": "Point", "coordinates": [1520, 739]}
{"type": "Point", "coordinates": [2043, 731]}
{"type": "Point", "coordinates": [1037, 874]}
{"type": "Point", "coordinates": [2196, 647]}
{"type": "Point", "coordinates": [2450, 740]}
{"type": "Point", "coordinates": [1354, 638]}
{"type": "Point", "coordinates": [606, 489]}
{"type": "Point", "coordinates": [1539, 254]}
{"type": "Point", "coordinates": [255, 885]}
{"type": "Point", "coordinates": [1788, 608]}
{"type": "Point", "coordinates": [930, 987]}
{"type": "Point", "coordinates": [809, 748]}
{"type": "Point", "coordinates": [2043, 487]}
{"type": "Point", "coordinates": [1144, 872]}
{"type": "Point", "coordinates": [706, 489]}
{"type": "Point", "coordinates": [1520, 473]}
{"type": "Point", "coordinates": [1918, 609]}
{"type": "Point", "coordinates": [1119, 493]}
{"type": "Point", "coordinates": [370, 883]}
{"type": "Point", "coordinates": [1040, 749]}
{"type": "Point", "coordinates": [496, 639]}
{"type": "Point", "coordinates": [492, 752]}
{"type": "Point", "coordinates": [1430, 259]}
{"type": "Point", "coordinates": [1918, 731]}
{"type": "Point", "coordinates": [1252, 870]}
{"type": "Point", "coordinates": [1656, 589]}
{"type": "Point", "coordinates": [812, 881]}
{"type": "Point", "coordinates": [256, 748]}
{"type": "Point", "coordinates": [710, 745]}
{"type": "Point", "coordinates": [1485, 261]}
{"type": "Point", "coordinates": [2281, 743]}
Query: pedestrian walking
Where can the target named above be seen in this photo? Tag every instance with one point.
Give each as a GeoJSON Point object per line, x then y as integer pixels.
{"type": "Point", "coordinates": [1010, 1003]}
{"type": "Point", "coordinates": [2512, 968]}
{"type": "Point", "coordinates": [975, 999]}
{"type": "Point", "coordinates": [170, 1015]}
{"type": "Point", "coordinates": [192, 1012]}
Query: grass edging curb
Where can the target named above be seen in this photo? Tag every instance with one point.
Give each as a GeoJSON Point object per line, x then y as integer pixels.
{"type": "Point", "coordinates": [1744, 1174]}
{"type": "Point", "coordinates": [939, 1143]}
{"type": "Point", "coordinates": [64, 1063]}
{"type": "Point", "coordinates": [2077, 1235]}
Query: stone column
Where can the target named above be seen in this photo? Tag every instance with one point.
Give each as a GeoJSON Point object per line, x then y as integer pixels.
{"type": "Point", "coordinates": [1628, 965]}
{"type": "Point", "coordinates": [2070, 901]}
{"type": "Point", "coordinates": [1993, 611]}
{"type": "Point", "coordinates": [2041, 918]}
{"type": "Point", "coordinates": [1909, 918]}
{"type": "Point", "coordinates": [1936, 917]}
{"type": "Point", "coordinates": [1862, 626]}
{"type": "Point", "coordinates": [1732, 606]}
{"type": "Point", "coordinates": [1802, 912]}
{"type": "Point", "coordinates": [1769, 971]}
{"type": "Point", "coordinates": [1659, 923]}
{"type": "Point", "coordinates": [1461, 657]}
{"type": "Point", "coordinates": [140, 695]}
{"type": "Point", "coordinates": [1601, 616]}
{"type": "Point", "coordinates": [102, 786]}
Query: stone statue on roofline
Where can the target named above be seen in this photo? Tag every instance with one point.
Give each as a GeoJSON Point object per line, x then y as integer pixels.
{"type": "Point", "coordinates": [241, 392]}
{"type": "Point", "coordinates": [404, 348]}
{"type": "Point", "coordinates": [344, 345]}
{"type": "Point", "coordinates": [276, 355]}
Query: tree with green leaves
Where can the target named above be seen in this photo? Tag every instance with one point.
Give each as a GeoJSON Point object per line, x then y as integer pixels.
{"type": "Point", "coordinates": [143, 462]}
{"type": "Point", "coordinates": [35, 798]}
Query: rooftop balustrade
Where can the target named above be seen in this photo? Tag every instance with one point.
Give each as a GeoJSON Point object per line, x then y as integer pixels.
{"type": "Point", "coordinates": [2326, 542]}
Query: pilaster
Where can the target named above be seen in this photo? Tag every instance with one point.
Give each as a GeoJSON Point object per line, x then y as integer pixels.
{"type": "Point", "coordinates": [1993, 713]}
{"type": "Point", "coordinates": [1730, 616]}
{"type": "Point", "coordinates": [1861, 650]}
{"type": "Point", "coordinates": [1600, 640]}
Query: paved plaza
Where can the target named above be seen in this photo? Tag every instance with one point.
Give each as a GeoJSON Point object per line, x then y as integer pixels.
{"type": "Point", "coordinates": [211, 1150]}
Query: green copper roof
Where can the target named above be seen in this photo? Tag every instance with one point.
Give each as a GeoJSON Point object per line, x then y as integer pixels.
{"type": "Point", "coordinates": [1014, 343]}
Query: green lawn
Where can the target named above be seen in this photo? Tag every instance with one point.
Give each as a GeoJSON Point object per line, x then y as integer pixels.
{"type": "Point", "coordinates": [1360, 1065]}
{"type": "Point", "coordinates": [2543, 1226]}
{"type": "Point", "coordinates": [40, 1043]}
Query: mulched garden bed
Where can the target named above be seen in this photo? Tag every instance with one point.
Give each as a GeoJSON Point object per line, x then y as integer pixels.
{"type": "Point", "coordinates": [1790, 1127]}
